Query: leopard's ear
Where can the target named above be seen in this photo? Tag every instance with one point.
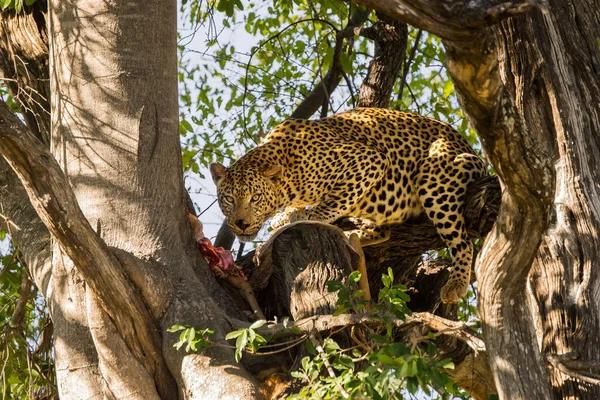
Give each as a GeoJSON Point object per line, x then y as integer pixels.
{"type": "Point", "coordinates": [218, 172]}
{"type": "Point", "coordinates": [274, 172]}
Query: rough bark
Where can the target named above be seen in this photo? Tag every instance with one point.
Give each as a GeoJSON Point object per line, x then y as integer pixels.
{"type": "Point", "coordinates": [283, 264]}
{"type": "Point", "coordinates": [100, 269]}
{"type": "Point", "coordinates": [390, 37]}
{"type": "Point", "coordinates": [24, 65]}
{"type": "Point", "coordinates": [523, 84]}
{"type": "Point", "coordinates": [24, 68]}
{"type": "Point", "coordinates": [555, 82]}
{"type": "Point", "coordinates": [530, 87]}
{"type": "Point", "coordinates": [91, 356]}
{"type": "Point", "coordinates": [123, 162]}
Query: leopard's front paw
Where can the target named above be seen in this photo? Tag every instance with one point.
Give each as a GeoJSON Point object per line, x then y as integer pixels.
{"type": "Point", "coordinates": [280, 220]}
{"type": "Point", "coordinates": [453, 291]}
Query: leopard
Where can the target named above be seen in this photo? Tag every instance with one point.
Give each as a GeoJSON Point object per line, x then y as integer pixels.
{"type": "Point", "coordinates": [380, 166]}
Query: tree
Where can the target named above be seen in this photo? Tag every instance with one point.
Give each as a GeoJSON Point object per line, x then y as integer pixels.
{"type": "Point", "coordinates": [122, 266]}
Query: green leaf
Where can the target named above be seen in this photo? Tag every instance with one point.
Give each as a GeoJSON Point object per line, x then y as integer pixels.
{"type": "Point", "coordinates": [176, 328]}
{"type": "Point", "coordinates": [234, 334]}
{"type": "Point", "coordinates": [310, 347]}
{"type": "Point", "coordinates": [258, 324]}
{"type": "Point", "coordinates": [354, 277]}
{"type": "Point", "coordinates": [186, 126]}
{"type": "Point", "coordinates": [343, 362]}
{"type": "Point", "coordinates": [242, 341]}
{"type": "Point", "coordinates": [334, 286]}
{"type": "Point", "coordinates": [346, 63]}
{"type": "Point", "coordinates": [387, 282]}
{"type": "Point", "coordinates": [446, 364]}
{"type": "Point", "coordinates": [296, 375]}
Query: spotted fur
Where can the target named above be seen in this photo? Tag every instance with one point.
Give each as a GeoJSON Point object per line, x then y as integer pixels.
{"type": "Point", "coordinates": [379, 165]}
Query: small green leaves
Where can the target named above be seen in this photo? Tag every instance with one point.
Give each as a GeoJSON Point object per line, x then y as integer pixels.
{"type": "Point", "coordinates": [184, 127]}
{"type": "Point", "coordinates": [16, 4]}
{"type": "Point", "coordinates": [393, 298]}
{"type": "Point", "coordinates": [192, 338]}
{"type": "Point", "coordinates": [229, 6]}
{"type": "Point", "coordinates": [247, 339]}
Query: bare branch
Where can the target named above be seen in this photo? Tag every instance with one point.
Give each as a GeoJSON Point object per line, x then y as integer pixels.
{"type": "Point", "coordinates": [319, 348]}
{"type": "Point", "coordinates": [408, 62]}
{"type": "Point", "coordinates": [390, 37]}
{"type": "Point", "coordinates": [452, 20]}
{"type": "Point", "coordinates": [570, 364]}
{"type": "Point", "coordinates": [323, 323]}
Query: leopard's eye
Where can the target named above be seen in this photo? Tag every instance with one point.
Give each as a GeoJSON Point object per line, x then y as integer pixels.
{"type": "Point", "coordinates": [228, 199]}
{"type": "Point", "coordinates": [256, 197]}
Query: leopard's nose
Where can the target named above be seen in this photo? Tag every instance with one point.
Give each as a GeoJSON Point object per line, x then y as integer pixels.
{"type": "Point", "coordinates": [241, 224]}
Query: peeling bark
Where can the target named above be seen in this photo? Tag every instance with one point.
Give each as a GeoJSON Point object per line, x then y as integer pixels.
{"type": "Point", "coordinates": [24, 64]}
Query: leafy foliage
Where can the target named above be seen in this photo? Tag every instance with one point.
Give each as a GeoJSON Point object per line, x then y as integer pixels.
{"type": "Point", "coordinates": [381, 367]}
{"type": "Point", "coordinates": [258, 61]}
{"type": "Point", "coordinates": [247, 339]}
{"type": "Point", "coordinates": [17, 5]}
{"type": "Point", "coordinates": [25, 333]}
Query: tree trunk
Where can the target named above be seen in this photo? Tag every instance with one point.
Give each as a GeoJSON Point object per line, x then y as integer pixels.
{"type": "Point", "coordinates": [390, 37]}
{"type": "Point", "coordinates": [530, 88]}
{"type": "Point", "coordinates": [115, 133]}
{"type": "Point", "coordinates": [555, 81]}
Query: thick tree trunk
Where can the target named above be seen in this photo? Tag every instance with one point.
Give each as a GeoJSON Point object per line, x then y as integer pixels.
{"type": "Point", "coordinates": [555, 80]}
{"type": "Point", "coordinates": [530, 88]}
{"type": "Point", "coordinates": [116, 135]}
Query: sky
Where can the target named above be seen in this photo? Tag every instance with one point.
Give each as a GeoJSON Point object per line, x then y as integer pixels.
{"type": "Point", "coordinates": [202, 189]}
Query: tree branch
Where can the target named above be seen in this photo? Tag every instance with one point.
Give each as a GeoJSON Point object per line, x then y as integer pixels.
{"type": "Point", "coordinates": [24, 293]}
{"type": "Point", "coordinates": [570, 364]}
{"type": "Point", "coordinates": [390, 37]}
{"type": "Point", "coordinates": [24, 65]}
{"type": "Point", "coordinates": [524, 168]}
{"type": "Point", "coordinates": [323, 323]}
{"type": "Point", "coordinates": [55, 203]}
{"type": "Point", "coordinates": [327, 85]}
{"type": "Point", "coordinates": [452, 20]}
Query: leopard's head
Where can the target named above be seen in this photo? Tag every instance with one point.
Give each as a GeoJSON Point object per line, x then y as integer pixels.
{"type": "Point", "coordinates": [248, 197]}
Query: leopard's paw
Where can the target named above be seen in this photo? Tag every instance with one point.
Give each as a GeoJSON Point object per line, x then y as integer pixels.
{"type": "Point", "coordinates": [280, 220]}
{"type": "Point", "coordinates": [453, 291]}
{"type": "Point", "coordinates": [287, 217]}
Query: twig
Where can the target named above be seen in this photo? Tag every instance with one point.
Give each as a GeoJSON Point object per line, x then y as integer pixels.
{"type": "Point", "coordinates": [409, 61]}
{"type": "Point", "coordinates": [330, 371]}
